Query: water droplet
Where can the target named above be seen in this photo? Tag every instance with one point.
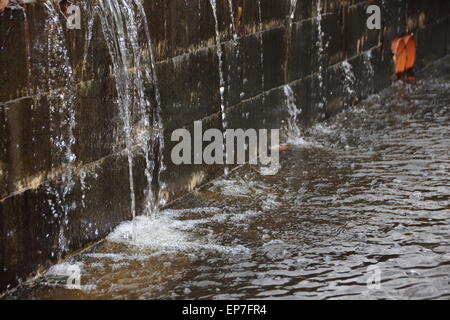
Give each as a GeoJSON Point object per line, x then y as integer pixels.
{"type": "Point", "coordinates": [187, 291]}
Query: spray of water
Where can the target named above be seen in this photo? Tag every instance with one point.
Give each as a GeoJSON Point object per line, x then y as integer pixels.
{"type": "Point", "coordinates": [61, 99]}
{"type": "Point", "coordinates": [349, 79]}
{"type": "Point", "coordinates": [294, 133]}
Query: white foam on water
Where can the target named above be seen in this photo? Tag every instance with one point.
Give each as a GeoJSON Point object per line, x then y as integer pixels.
{"type": "Point", "coordinates": [200, 210]}
{"type": "Point", "coordinates": [115, 257]}
{"type": "Point", "coordinates": [304, 142]}
{"type": "Point", "coordinates": [149, 232]}
{"type": "Point", "coordinates": [62, 269]}
{"type": "Point", "coordinates": [166, 235]}
{"type": "Point", "coordinates": [270, 203]}
{"type": "Point", "coordinates": [232, 188]}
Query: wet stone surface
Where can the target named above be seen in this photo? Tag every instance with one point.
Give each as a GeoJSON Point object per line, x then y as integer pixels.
{"type": "Point", "coordinates": [370, 187]}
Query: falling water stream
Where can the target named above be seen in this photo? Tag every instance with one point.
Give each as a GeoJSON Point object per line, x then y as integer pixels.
{"type": "Point", "coordinates": [134, 72]}
{"type": "Point", "coordinates": [290, 21]}
{"type": "Point", "coordinates": [293, 130]}
{"type": "Point", "coordinates": [321, 46]}
{"type": "Point", "coordinates": [115, 30]}
{"type": "Point", "coordinates": [219, 53]}
{"type": "Point", "coordinates": [232, 23]}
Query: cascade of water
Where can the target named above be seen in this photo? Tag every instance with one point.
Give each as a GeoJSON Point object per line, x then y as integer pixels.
{"type": "Point", "coordinates": [293, 129]}
{"type": "Point", "coordinates": [157, 136]}
{"type": "Point", "coordinates": [115, 32]}
{"type": "Point", "coordinates": [290, 19]}
{"type": "Point", "coordinates": [141, 78]}
{"type": "Point", "coordinates": [135, 71]}
{"type": "Point", "coordinates": [61, 98]}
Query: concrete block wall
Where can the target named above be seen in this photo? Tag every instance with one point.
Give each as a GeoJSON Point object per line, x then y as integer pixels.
{"type": "Point", "coordinates": [273, 49]}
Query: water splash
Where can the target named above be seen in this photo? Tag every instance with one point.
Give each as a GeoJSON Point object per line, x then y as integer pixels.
{"type": "Point", "coordinates": [167, 234]}
{"type": "Point", "coordinates": [349, 80]}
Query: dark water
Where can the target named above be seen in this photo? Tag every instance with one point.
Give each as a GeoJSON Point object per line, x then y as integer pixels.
{"type": "Point", "coordinates": [370, 187]}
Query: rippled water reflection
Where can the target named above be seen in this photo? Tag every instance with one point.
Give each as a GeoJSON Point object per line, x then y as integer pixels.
{"type": "Point", "coordinates": [367, 188]}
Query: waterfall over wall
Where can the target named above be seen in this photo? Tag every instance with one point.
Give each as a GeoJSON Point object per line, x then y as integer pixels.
{"type": "Point", "coordinates": [86, 115]}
